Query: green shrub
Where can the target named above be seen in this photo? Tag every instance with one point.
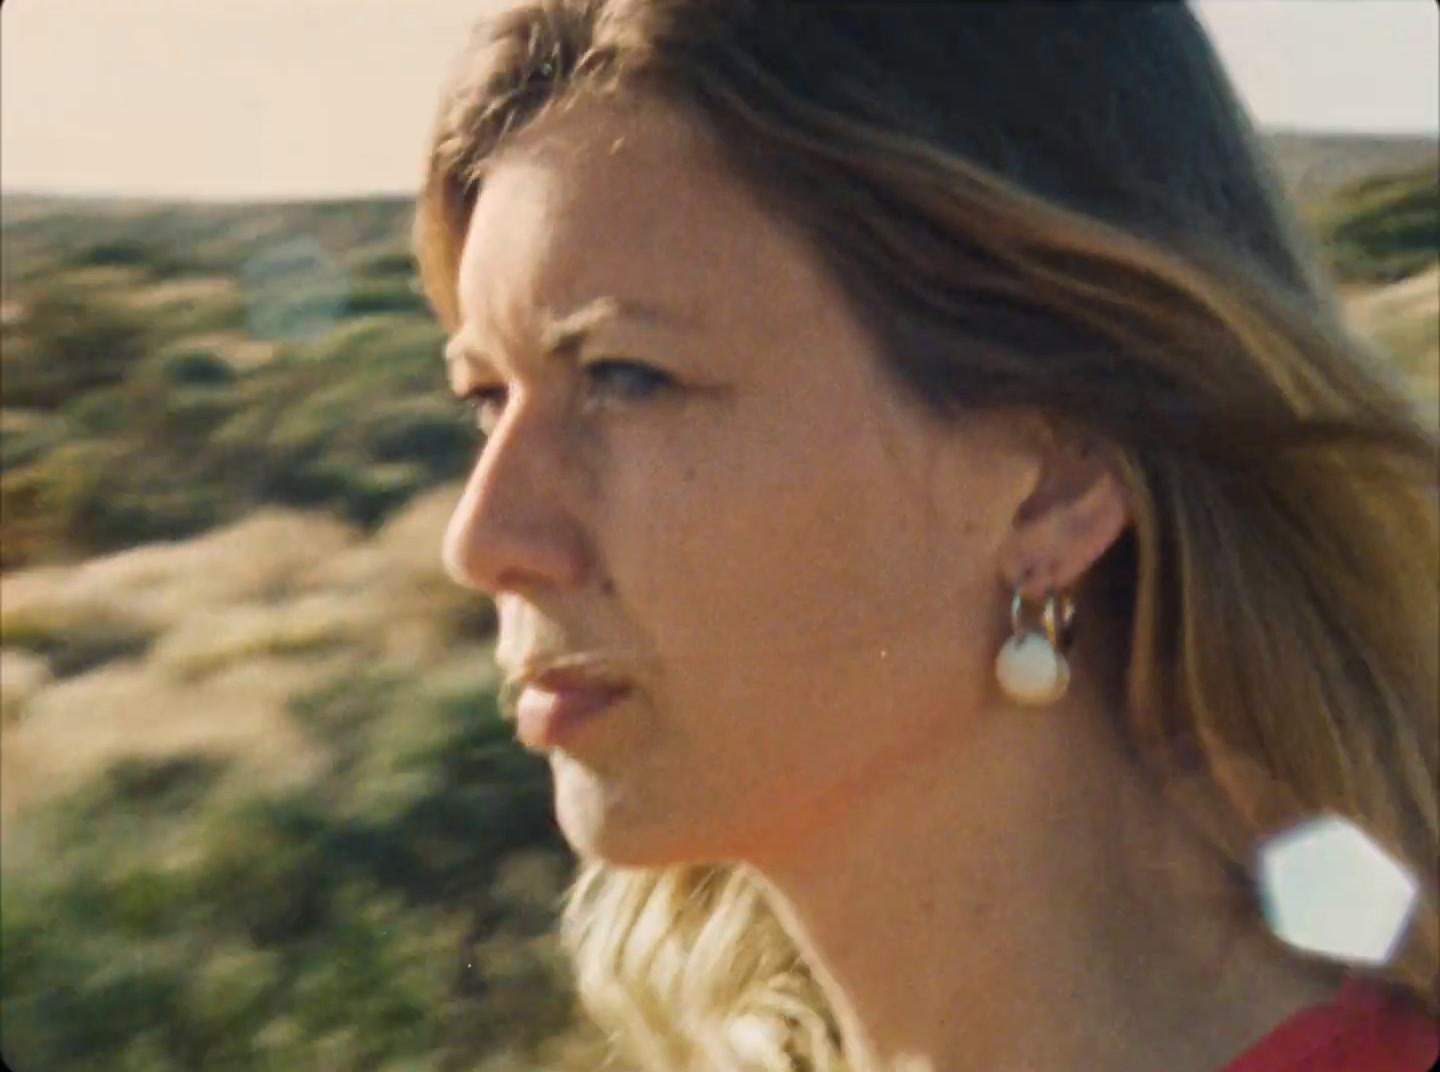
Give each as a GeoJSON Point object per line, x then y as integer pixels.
{"type": "Point", "coordinates": [105, 411]}
{"type": "Point", "coordinates": [386, 263]}
{"type": "Point", "coordinates": [26, 435]}
{"type": "Point", "coordinates": [192, 367]}
{"type": "Point", "coordinates": [368, 919]}
{"type": "Point", "coordinates": [430, 431]}
{"type": "Point", "coordinates": [307, 485]}
{"type": "Point", "coordinates": [128, 251]}
{"type": "Point", "coordinates": [385, 355]}
{"type": "Point", "coordinates": [192, 413]}
{"type": "Point", "coordinates": [374, 492]}
{"type": "Point", "coordinates": [72, 647]}
{"type": "Point", "coordinates": [1384, 229]}
{"type": "Point", "coordinates": [371, 296]}
{"type": "Point", "coordinates": [198, 316]}
{"type": "Point", "coordinates": [105, 495]}
{"type": "Point", "coordinates": [74, 344]}
{"type": "Point", "coordinates": [175, 783]}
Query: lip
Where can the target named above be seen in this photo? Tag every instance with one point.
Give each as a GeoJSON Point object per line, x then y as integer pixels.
{"type": "Point", "coordinates": [549, 711]}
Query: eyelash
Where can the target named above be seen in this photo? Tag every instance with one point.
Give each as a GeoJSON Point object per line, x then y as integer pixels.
{"type": "Point", "coordinates": [480, 397]}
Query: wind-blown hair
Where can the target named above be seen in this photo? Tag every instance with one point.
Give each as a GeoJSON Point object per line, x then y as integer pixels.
{"type": "Point", "coordinates": [1058, 206]}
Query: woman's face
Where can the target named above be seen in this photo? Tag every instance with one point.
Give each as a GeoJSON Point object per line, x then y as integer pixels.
{"type": "Point", "coordinates": [713, 480]}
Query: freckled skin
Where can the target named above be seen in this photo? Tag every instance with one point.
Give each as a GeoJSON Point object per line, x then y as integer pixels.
{"type": "Point", "coordinates": [765, 541]}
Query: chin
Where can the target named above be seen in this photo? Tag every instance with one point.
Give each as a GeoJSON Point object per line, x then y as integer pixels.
{"type": "Point", "coordinates": [628, 849]}
{"type": "Point", "coordinates": [605, 825]}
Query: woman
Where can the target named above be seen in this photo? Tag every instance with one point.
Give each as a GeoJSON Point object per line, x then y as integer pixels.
{"type": "Point", "coordinates": [941, 531]}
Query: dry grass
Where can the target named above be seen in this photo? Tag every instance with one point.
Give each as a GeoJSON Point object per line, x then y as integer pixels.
{"type": "Point", "coordinates": [1417, 296]}
{"type": "Point", "coordinates": [229, 627]}
{"type": "Point", "coordinates": [316, 623]}
{"type": "Point", "coordinates": [116, 279]}
{"type": "Point", "coordinates": [239, 351]}
{"type": "Point", "coordinates": [74, 729]}
{"type": "Point", "coordinates": [397, 574]}
{"type": "Point", "coordinates": [22, 676]}
{"type": "Point", "coordinates": [160, 297]}
{"type": "Point", "coordinates": [1403, 319]}
{"type": "Point", "coordinates": [160, 586]}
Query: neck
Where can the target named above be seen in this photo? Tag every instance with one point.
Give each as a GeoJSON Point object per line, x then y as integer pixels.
{"type": "Point", "coordinates": [1017, 900]}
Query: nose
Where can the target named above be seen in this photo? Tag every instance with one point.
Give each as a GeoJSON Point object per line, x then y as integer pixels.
{"type": "Point", "coordinates": [514, 528]}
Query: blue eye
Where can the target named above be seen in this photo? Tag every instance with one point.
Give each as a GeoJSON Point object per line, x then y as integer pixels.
{"type": "Point", "coordinates": [623, 380]}
{"type": "Point", "coordinates": [629, 379]}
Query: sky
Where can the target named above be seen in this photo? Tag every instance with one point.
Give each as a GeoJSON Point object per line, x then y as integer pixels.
{"type": "Point", "coordinates": [215, 99]}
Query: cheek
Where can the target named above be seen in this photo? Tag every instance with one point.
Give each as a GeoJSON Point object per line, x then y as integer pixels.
{"type": "Point", "coordinates": [793, 597]}
{"type": "Point", "coordinates": [753, 542]}
{"type": "Point", "coordinates": [784, 574]}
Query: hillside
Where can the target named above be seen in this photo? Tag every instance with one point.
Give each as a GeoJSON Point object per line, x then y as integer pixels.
{"type": "Point", "coordinates": [1315, 166]}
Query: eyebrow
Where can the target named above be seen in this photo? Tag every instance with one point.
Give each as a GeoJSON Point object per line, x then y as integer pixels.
{"type": "Point", "coordinates": [563, 336]}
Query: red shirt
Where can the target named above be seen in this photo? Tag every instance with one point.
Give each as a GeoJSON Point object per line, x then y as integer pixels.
{"type": "Point", "coordinates": [1362, 1030]}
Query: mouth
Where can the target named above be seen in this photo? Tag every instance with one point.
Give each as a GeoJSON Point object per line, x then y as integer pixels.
{"type": "Point", "coordinates": [557, 679]}
{"type": "Point", "coordinates": [549, 716]}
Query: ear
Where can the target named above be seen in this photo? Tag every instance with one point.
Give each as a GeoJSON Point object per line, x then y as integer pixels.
{"type": "Point", "coordinates": [1078, 508]}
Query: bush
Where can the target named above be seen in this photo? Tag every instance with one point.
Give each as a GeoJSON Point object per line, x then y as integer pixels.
{"type": "Point", "coordinates": [155, 259]}
{"type": "Point", "coordinates": [73, 344]}
{"type": "Point", "coordinates": [430, 431]}
{"type": "Point", "coordinates": [71, 647]}
{"type": "Point", "coordinates": [210, 314]}
{"type": "Point", "coordinates": [1384, 229]}
{"type": "Point", "coordinates": [307, 485]}
{"type": "Point", "coordinates": [106, 411]}
{"type": "Point", "coordinates": [393, 352]}
{"type": "Point", "coordinates": [101, 495]}
{"type": "Point", "coordinates": [374, 492]}
{"type": "Point", "coordinates": [394, 913]}
{"type": "Point", "coordinates": [25, 435]}
{"type": "Point", "coordinates": [368, 296]}
{"type": "Point", "coordinates": [386, 263]}
{"type": "Point", "coordinates": [191, 367]}
{"type": "Point", "coordinates": [123, 251]}
{"type": "Point", "coordinates": [174, 784]}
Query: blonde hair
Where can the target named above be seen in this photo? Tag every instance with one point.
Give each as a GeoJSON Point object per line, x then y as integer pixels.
{"type": "Point", "coordinates": [1115, 252]}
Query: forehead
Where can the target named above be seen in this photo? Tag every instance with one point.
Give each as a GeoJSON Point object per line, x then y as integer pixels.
{"type": "Point", "coordinates": [630, 202]}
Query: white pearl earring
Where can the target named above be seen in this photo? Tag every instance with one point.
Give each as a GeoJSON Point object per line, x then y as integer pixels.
{"type": "Point", "coordinates": [1031, 667]}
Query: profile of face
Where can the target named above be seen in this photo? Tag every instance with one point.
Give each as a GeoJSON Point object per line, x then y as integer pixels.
{"type": "Point", "coordinates": [715, 479]}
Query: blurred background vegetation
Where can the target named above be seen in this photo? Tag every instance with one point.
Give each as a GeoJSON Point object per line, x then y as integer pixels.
{"type": "Point", "coordinates": [259, 810]}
